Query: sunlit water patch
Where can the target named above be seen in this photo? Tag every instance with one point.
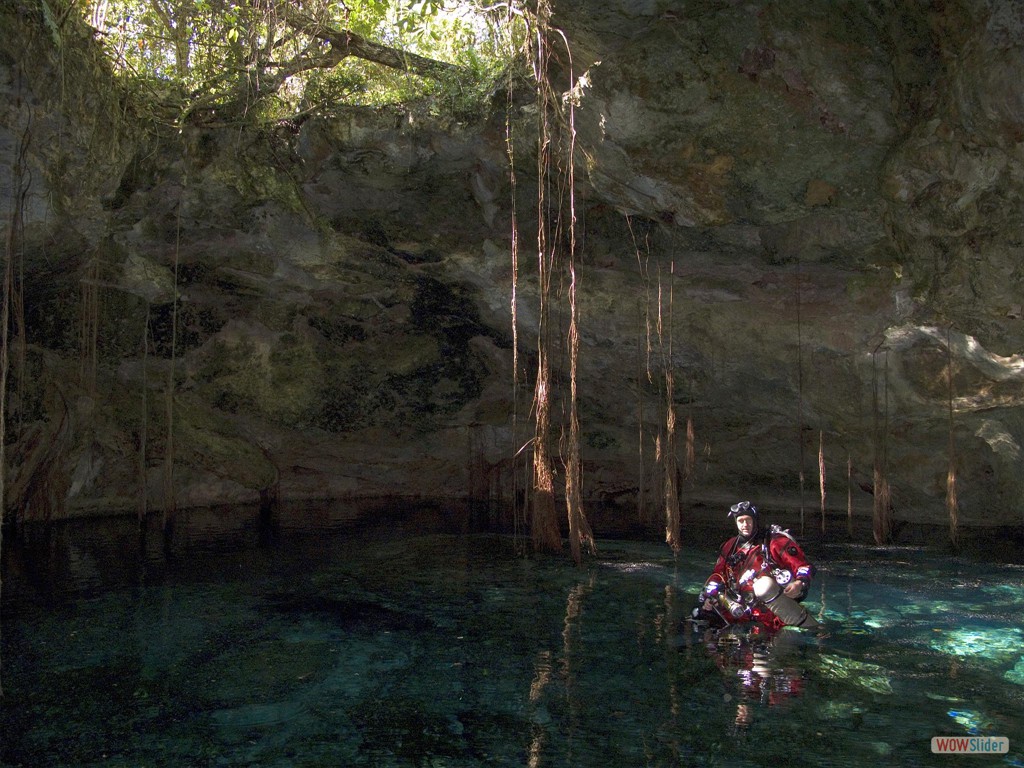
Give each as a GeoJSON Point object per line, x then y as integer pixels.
{"type": "Point", "coordinates": [389, 646]}
{"type": "Point", "coordinates": [991, 643]}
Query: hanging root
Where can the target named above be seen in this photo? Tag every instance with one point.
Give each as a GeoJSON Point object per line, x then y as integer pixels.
{"type": "Point", "coordinates": [951, 505]}
{"type": "Point", "coordinates": [951, 501]}
{"type": "Point", "coordinates": [556, 129]}
{"type": "Point", "coordinates": [821, 475]}
{"type": "Point", "coordinates": [882, 510]}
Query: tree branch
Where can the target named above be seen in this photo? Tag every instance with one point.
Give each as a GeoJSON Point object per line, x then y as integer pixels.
{"type": "Point", "coordinates": [269, 76]}
{"type": "Point", "coordinates": [345, 43]}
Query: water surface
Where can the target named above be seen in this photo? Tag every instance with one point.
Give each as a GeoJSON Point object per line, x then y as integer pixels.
{"type": "Point", "coordinates": [414, 641]}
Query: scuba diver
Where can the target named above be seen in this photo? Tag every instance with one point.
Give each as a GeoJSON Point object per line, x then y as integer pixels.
{"type": "Point", "coordinates": [761, 576]}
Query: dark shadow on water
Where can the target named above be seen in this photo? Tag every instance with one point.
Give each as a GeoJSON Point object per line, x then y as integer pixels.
{"type": "Point", "coordinates": [41, 561]}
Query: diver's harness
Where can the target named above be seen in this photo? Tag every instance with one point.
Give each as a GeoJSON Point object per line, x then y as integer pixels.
{"type": "Point", "coordinates": [781, 575]}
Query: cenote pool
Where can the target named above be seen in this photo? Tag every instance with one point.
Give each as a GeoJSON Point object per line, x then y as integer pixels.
{"type": "Point", "coordinates": [414, 641]}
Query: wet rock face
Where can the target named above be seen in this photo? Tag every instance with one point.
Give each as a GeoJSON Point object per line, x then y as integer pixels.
{"type": "Point", "coordinates": [809, 214]}
{"type": "Point", "coordinates": [837, 189]}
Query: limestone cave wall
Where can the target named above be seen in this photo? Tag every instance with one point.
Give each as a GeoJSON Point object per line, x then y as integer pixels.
{"type": "Point", "coordinates": [819, 201]}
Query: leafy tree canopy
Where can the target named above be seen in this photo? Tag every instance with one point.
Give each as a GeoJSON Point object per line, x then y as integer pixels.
{"type": "Point", "coordinates": [222, 60]}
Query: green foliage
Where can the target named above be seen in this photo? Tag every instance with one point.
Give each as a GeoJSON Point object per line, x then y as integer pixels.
{"type": "Point", "coordinates": [210, 53]}
{"type": "Point", "coordinates": [51, 23]}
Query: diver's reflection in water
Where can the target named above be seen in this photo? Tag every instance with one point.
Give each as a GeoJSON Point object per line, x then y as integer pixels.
{"type": "Point", "coordinates": [764, 664]}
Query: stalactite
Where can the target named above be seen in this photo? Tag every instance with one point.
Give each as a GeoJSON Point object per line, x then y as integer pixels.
{"type": "Point", "coordinates": [952, 506]}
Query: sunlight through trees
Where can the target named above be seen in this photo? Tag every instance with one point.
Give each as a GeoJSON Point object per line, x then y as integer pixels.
{"type": "Point", "coordinates": [216, 60]}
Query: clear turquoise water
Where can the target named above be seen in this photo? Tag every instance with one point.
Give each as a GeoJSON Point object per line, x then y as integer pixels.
{"type": "Point", "coordinates": [415, 642]}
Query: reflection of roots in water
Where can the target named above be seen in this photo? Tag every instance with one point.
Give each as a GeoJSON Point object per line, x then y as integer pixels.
{"type": "Point", "coordinates": [543, 667]}
{"type": "Point", "coordinates": [541, 678]}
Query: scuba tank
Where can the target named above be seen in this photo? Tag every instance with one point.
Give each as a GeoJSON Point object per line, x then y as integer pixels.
{"type": "Point", "coordinates": [734, 608]}
{"type": "Point", "coordinates": [724, 603]}
{"type": "Point", "coordinates": [789, 611]}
